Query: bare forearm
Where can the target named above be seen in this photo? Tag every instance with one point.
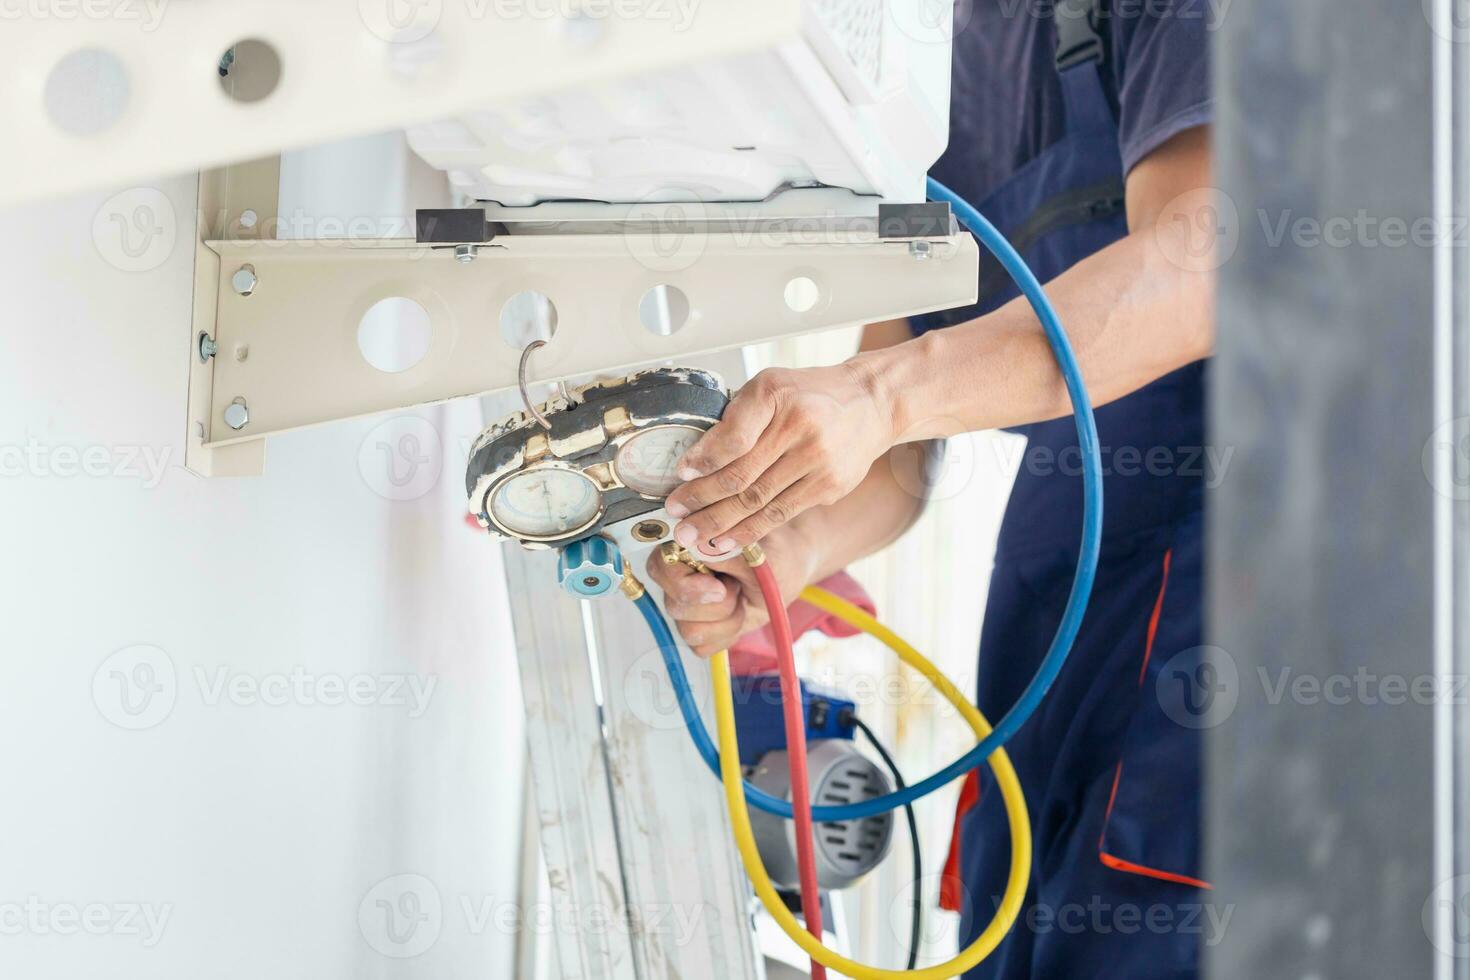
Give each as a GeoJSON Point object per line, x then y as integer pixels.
{"type": "Point", "coordinates": [1132, 313]}
{"type": "Point", "coordinates": [869, 519]}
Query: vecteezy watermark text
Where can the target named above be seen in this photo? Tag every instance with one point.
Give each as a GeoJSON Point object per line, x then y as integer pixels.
{"type": "Point", "coordinates": [33, 458]}
{"type": "Point", "coordinates": [1200, 688]}
{"type": "Point", "coordinates": [148, 14]}
{"type": "Point", "coordinates": [1100, 917]}
{"type": "Point", "coordinates": [1208, 464]}
{"type": "Point", "coordinates": [301, 687]}
{"type": "Point", "coordinates": [34, 916]}
{"type": "Point", "coordinates": [403, 916]}
{"type": "Point", "coordinates": [137, 687]}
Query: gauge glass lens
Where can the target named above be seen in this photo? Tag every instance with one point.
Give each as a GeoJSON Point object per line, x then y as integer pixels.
{"type": "Point", "coordinates": [544, 503]}
{"type": "Point", "coordinates": [646, 461]}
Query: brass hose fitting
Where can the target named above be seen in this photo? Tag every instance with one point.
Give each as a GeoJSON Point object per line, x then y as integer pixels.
{"type": "Point", "coordinates": [674, 553]}
{"type": "Point", "coordinates": [632, 588]}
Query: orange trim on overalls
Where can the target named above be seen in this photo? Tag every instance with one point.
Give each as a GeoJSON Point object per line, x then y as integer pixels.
{"type": "Point", "coordinates": [1109, 860]}
{"type": "Point", "coordinates": [951, 885]}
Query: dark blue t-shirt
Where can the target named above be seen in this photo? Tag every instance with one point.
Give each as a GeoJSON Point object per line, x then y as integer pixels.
{"type": "Point", "coordinates": [1006, 103]}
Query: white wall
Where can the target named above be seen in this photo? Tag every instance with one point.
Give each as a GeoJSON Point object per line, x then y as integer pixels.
{"type": "Point", "coordinates": [260, 830]}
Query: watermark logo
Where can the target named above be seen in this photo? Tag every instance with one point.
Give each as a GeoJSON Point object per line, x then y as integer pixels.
{"type": "Point", "coordinates": [135, 230]}
{"type": "Point", "coordinates": [649, 696]}
{"type": "Point", "coordinates": [1199, 231]}
{"type": "Point", "coordinates": [1446, 459]}
{"type": "Point", "coordinates": [667, 236]}
{"type": "Point", "coordinates": [935, 469]}
{"type": "Point", "coordinates": [1449, 903]}
{"type": "Point", "coordinates": [402, 458]}
{"type": "Point", "coordinates": [932, 21]}
{"type": "Point", "coordinates": [401, 21]}
{"type": "Point", "coordinates": [935, 931]}
{"type": "Point", "coordinates": [1449, 19]}
{"type": "Point", "coordinates": [136, 687]}
{"type": "Point", "coordinates": [401, 916]}
{"type": "Point", "coordinates": [1198, 688]}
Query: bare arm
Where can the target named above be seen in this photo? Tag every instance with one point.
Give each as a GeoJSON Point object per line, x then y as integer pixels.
{"type": "Point", "coordinates": [880, 510]}
{"type": "Point", "coordinates": [1136, 310]}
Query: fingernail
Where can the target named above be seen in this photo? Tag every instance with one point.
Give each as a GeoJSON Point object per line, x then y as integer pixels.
{"type": "Point", "coordinates": [711, 596]}
{"type": "Point", "coordinates": [723, 545]}
{"type": "Point", "coordinates": [685, 535]}
{"type": "Point", "coordinates": [687, 473]}
{"type": "Point", "coordinates": [676, 510]}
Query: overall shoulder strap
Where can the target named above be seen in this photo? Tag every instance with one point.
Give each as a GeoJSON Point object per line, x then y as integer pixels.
{"type": "Point", "coordinates": [1082, 49]}
{"type": "Point", "coordinates": [1079, 32]}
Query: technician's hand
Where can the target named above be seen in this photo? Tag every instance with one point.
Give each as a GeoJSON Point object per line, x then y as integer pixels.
{"type": "Point", "coordinates": [789, 440]}
{"type": "Point", "coordinates": [711, 612]}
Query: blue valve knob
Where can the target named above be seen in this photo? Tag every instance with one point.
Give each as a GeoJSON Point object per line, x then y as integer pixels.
{"type": "Point", "coordinates": [589, 568]}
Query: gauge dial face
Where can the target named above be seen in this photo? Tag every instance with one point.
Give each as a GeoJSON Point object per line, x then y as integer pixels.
{"type": "Point", "coordinates": [646, 461]}
{"type": "Point", "coordinates": [545, 503]}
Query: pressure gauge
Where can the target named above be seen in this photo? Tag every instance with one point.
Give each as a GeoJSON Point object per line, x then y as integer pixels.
{"type": "Point", "coordinates": [646, 462]}
{"type": "Point", "coordinates": [600, 456]}
{"type": "Point", "coordinates": [545, 503]}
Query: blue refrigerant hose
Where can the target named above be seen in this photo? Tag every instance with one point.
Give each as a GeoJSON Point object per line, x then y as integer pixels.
{"type": "Point", "coordinates": [1061, 644]}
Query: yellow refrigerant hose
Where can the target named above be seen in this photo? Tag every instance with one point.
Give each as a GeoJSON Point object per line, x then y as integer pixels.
{"type": "Point", "coordinates": [1000, 765]}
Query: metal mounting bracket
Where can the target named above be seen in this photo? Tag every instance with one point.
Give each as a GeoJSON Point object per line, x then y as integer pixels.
{"type": "Point", "coordinates": [239, 201]}
{"type": "Point", "coordinates": [284, 315]}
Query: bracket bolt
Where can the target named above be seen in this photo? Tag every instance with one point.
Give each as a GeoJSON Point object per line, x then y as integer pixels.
{"type": "Point", "coordinates": [920, 250]}
{"type": "Point", "coordinates": [244, 280]}
{"type": "Point", "coordinates": [207, 347]}
{"type": "Point", "coordinates": [465, 254]}
{"type": "Point", "coordinates": [237, 414]}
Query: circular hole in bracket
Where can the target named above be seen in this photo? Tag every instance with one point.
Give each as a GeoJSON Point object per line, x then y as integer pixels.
{"type": "Point", "coordinates": [394, 334]}
{"type": "Point", "coordinates": [663, 309]}
{"type": "Point", "coordinates": [801, 294]}
{"type": "Point", "coordinates": [527, 316]}
{"type": "Point", "coordinates": [86, 92]}
{"type": "Point", "coordinates": [249, 70]}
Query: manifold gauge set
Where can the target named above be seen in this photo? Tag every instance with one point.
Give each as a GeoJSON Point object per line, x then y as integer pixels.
{"type": "Point", "coordinates": [586, 473]}
{"type": "Point", "coordinates": [596, 457]}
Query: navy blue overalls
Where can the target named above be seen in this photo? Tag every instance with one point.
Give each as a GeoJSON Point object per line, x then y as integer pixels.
{"type": "Point", "coordinates": [1111, 761]}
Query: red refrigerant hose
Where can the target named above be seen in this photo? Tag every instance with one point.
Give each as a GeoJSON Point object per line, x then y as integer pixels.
{"type": "Point", "coordinates": [794, 716]}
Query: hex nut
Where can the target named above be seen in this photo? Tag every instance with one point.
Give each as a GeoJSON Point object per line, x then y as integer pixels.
{"type": "Point", "coordinates": [244, 280]}
{"type": "Point", "coordinates": [237, 414]}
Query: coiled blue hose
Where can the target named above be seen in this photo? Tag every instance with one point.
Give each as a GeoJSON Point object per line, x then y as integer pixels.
{"type": "Point", "coordinates": [1066, 635]}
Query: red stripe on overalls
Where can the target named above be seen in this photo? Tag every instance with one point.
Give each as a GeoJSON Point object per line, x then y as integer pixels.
{"type": "Point", "coordinates": [951, 886]}
{"type": "Point", "coordinates": [1109, 860]}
